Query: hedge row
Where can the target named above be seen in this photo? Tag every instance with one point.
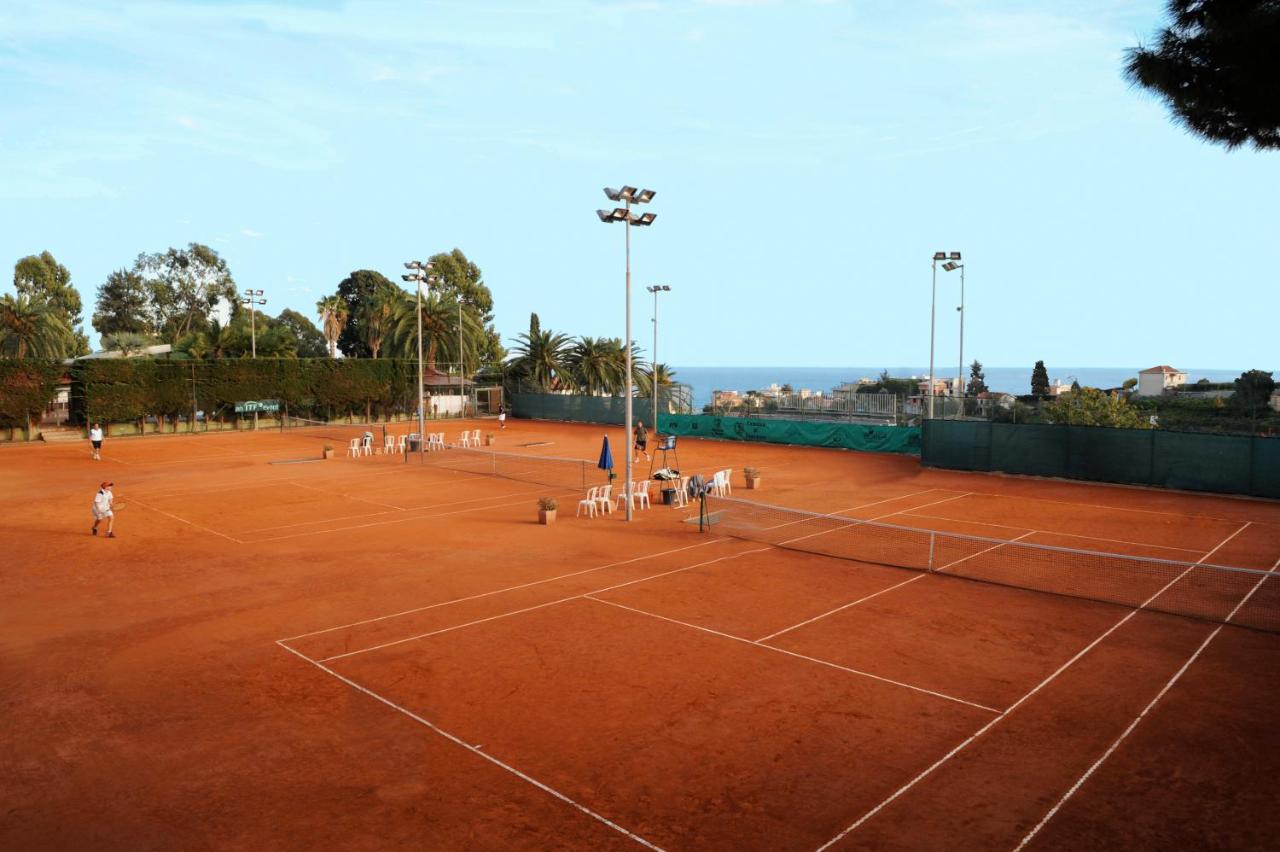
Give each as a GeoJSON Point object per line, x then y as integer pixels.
{"type": "Point", "coordinates": [26, 387]}
{"type": "Point", "coordinates": [123, 390]}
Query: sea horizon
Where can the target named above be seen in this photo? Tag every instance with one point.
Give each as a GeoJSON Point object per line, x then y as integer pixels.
{"type": "Point", "coordinates": [1014, 380]}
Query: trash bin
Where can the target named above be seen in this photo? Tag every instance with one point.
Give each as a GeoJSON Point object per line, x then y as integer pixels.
{"type": "Point", "coordinates": [668, 496]}
{"type": "Point", "coordinates": [413, 442]}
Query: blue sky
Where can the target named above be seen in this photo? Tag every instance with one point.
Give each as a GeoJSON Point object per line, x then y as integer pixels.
{"type": "Point", "coordinates": [808, 158]}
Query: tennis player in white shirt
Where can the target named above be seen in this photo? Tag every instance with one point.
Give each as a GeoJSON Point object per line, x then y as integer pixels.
{"type": "Point", "coordinates": [102, 509]}
{"type": "Point", "coordinates": [95, 440]}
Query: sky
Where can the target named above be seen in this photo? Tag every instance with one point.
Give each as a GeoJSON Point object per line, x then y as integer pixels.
{"type": "Point", "coordinates": [808, 159]}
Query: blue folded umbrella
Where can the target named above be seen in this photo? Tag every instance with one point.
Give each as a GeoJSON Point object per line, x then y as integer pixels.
{"type": "Point", "coordinates": [606, 457]}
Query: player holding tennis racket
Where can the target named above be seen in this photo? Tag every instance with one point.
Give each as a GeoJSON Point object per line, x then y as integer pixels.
{"type": "Point", "coordinates": [104, 507]}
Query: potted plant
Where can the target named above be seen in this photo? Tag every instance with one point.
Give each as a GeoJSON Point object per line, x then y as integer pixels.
{"type": "Point", "coordinates": [328, 451]}
{"type": "Point", "coordinates": [488, 439]}
{"type": "Point", "coordinates": [752, 475]}
{"type": "Point", "coordinates": [546, 510]}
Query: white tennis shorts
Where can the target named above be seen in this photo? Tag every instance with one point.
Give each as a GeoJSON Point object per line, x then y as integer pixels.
{"type": "Point", "coordinates": [99, 514]}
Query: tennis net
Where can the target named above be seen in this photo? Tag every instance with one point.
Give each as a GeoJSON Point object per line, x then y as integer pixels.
{"type": "Point", "coordinates": [539, 470]}
{"type": "Point", "coordinates": [1244, 596]}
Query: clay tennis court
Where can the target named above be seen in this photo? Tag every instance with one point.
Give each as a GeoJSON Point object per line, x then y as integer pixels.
{"type": "Point", "coordinates": [368, 653]}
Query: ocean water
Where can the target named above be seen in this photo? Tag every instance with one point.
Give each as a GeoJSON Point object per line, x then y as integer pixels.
{"type": "Point", "coordinates": [1016, 380]}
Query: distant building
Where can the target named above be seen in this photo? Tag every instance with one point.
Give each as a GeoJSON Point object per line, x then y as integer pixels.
{"type": "Point", "coordinates": [1154, 381]}
{"type": "Point", "coordinates": [1275, 400]}
{"type": "Point", "coordinates": [1058, 388]}
{"type": "Point", "coordinates": [726, 399]}
{"type": "Point", "coordinates": [143, 352]}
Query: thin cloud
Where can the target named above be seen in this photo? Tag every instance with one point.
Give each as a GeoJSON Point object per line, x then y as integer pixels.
{"type": "Point", "coordinates": [251, 233]}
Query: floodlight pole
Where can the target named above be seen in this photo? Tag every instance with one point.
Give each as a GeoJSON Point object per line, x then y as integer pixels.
{"type": "Point", "coordinates": [419, 276]}
{"type": "Point", "coordinates": [960, 374]}
{"type": "Point", "coordinates": [626, 195]}
{"type": "Point", "coordinates": [653, 372]}
{"type": "Point", "coordinates": [461, 363]}
{"type": "Point", "coordinates": [933, 303]}
{"type": "Point", "coordinates": [252, 300]}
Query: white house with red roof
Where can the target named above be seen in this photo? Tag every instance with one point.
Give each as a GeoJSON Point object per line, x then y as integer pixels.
{"type": "Point", "coordinates": [1154, 381]}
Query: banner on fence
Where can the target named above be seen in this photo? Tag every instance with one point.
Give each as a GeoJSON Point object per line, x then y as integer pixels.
{"type": "Point", "coordinates": [805, 433]}
{"type": "Point", "coordinates": [258, 406]}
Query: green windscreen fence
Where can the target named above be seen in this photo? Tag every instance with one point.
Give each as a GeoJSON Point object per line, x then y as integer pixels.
{"type": "Point", "coordinates": [849, 436]}
{"type": "Point", "coordinates": [573, 407]}
{"type": "Point", "coordinates": [1229, 464]}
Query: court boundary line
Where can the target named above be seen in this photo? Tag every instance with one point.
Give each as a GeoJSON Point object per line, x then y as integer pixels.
{"type": "Point", "coordinates": [404, 518]}
{"type": "Point", "coordinates": [474, 749]}
{"type": "Point", "coordinates": [929, 770]}
{"type": "Point", "coordinates": [819, 661]}
{"type": "Point", "coordinates": [1055, 532]}
{"type": "Point", "coordinates": [1134, 724]}
{"type": "Point", "coordinates": [133, 499]}
{"type": "Point", "coordinates": [345, 496]}
{"type": "Point", "coordinates": [390, 511]}
{"type": "Point", "coordinates": [500, 591]}
{"type": "Point", "coordinates": [523, 610]}
{"type": "Point", "coordinates": [918, 576]}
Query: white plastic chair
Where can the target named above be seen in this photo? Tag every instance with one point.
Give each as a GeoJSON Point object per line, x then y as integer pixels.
{"type": "Point", "coordinates": [401, 443]}
{"type": "Point", "coordinates": [475, 437]}
{"type": "Point", "coordinates": [605, 498]}
{"type": "Point", "coordinates": [388, 445]}
{"type": "Point", "coordinates": [682, 493]}
{"type": "Point", "coordinates": [435, 441]}
{"type": "Point", "coordinates": [640, 494]}
{"type": "Point", "coordinates": [589, 502]}
{"type": "Point", "coordinates": [464, 439]}
{"type": "Point", "coordinates": [727, 482]}
{"type": "Point", "coordinates": [353, 449]}
{"type": "Point", "coordinates": [366, 445]}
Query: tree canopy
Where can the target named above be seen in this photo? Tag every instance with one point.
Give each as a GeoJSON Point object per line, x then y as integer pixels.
{"type": "Point", "coordinates": [977, 379]}
{"type": "Point", "coordinates": [183, 287]}
{"type": "Point", "coordinates": [121, 304]}
{"type": "Point", "coordinates": [1253, 390]}
{"type": "Point", "coordinates": [42, 279]}
{"type": "Point", "coordinates": [1217, 67]}
{"type": "Point", "coordinates": [310, 342]}
{"type": "Point", "coordinates": [357, 290]}
{"type": "Point", "coordinates": [32, 329]}
{"type": "Point", "coordinates": [1039, 380]}
{"type": "Point", "coordinates": [1092, 407]}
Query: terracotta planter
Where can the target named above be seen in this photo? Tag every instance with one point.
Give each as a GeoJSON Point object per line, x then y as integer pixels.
{"type": "Point", "coordinates": [328, 454]}
{"type": "Point", "coordinates": [488, 440]}
{"type": "Point", "coordinates": [546, 516]}
{"type": "Point", "coordinates": [753, 483]}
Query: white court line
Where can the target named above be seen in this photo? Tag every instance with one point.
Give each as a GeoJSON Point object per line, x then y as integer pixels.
{"type": "Point", "coordinates": [535, 606]}
{"type": "Point", "coordinates": [855, 508]}
{"type": "Point", "coordinates": [820, 662]}
{"type": "Point", "coordinates": [184, 520]}
{"type": "Point", "coordinates": [500, 591]}
{"type": "Point", "coordinates": [986, 550]}
{"type": "Point", "coordinates": [390, 512]}
{"type": "Point", "coordinates": [911, 514]}
{"type": "Point", "coordinates": [346, 496]}
{"type": "Point", "coordinates": [882, 591]}
{"type": "Point", "coordinates": [1085, 777]}
{"type": "Point", "coordinates": [400, 520]}
{"type": "Point", "coordinates": [1015, 705]}
{"type": "Point", "coordinates": [335, 478]}
{"type": "Point", "coordinates": [854, 522]}
{"type": "Point", "coordinates": [1182, 515]}
{"type": "Point", "coordinates": [476, 750]}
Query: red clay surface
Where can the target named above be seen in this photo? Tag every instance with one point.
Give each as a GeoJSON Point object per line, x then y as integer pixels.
{"type": "Point", "coordinates": [369, 654]}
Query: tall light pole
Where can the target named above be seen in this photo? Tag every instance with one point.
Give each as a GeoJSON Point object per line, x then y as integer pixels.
{"type": "Point", "coordinates": [462, 391]}
{"type": "Point", "coordinates": [628, 195]}
{"type": "Point", "coordinates": [933, 303]}
{"type": "Point", "coordinates": [421, 275]}
{"type": "Point", "coordinates": [653, 373]}
{"type": "Point", "coordinates": [952, 266]}
{"type": "Point", "coordinates": [253, 298]}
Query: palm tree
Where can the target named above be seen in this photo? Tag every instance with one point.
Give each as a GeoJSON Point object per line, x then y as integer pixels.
{"type": "Point", "coordinates": [32, 329]}
{"type": "Point", "coordinates": [377, 315]}
{"type": "Point", "coordinates": [195, 344]}
{"type": "Point", "coordinates": [592, 364]}
{"type": "Point", "coordinates": [618, 355]}
{"type": "Point", "coordinates": [440, 337]}
{"type": "Point", "coordinates": [333, 317]}
{"type": "Point", "coordinates": [126, 342]}
{"type": "Point", "coordinates": [666, 378]}
{"type": "Point", "coordinates": [541, 356]}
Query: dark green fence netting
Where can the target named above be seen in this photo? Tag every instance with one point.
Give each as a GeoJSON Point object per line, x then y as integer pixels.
{"type": "Point", "coordinates": [1228, 464]}
{"type": "Point", "coordinates": [848, 436]}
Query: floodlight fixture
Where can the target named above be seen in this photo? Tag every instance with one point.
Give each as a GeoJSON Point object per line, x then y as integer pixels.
{"type": "Point", "coordinates": [955, 255]}
{"type": "Point", "coordinates": [644, 197]}
{"type": "Point", "coordinates": [950, 266]}
{"type": "Point", "coordinates": [613, 194]}
{"type": "Point", "coordinates": [939, 255]}
{"type": "Point", "coordinates": [646, 219]}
